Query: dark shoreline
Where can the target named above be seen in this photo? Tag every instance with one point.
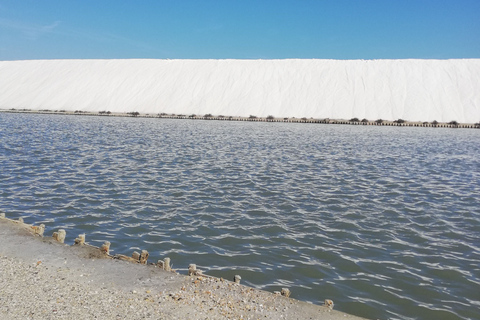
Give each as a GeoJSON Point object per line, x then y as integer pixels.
{"type": "Point", "coordinates": [356, 122]}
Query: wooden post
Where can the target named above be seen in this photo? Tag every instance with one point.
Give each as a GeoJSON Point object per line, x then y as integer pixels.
{"type": "Point", "coordinates": [192, 269]}
{"type": "Point", "coordinates": [329, 304]}
{"type": "Point", "coordinates": [80, 240]}
{"type": "Point", "coordinates": [144, 257]}
{"type": "Point", "coordinates": [285, 292]}
{"type": "Point", "coordinates": [136, 255]}
{"type": "Point", "coordinates": [237, 279]}
{"type": "Point", "coordinates": [160, 264]}
{"type": "Point", "coordinates": [39, 230]}
{"type": "Point", "coordinates": [105, 247]}
{"type": "Point", "coordinates": [166, 264]}
{"type": "Point", "coordinates": [60, 235]}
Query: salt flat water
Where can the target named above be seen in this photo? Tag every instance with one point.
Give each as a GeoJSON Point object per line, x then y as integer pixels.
{"type": "Point", "coordinates": [385, 221]}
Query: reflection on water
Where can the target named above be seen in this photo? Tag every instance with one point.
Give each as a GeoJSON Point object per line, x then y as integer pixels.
{"type": "Point", "coordinates": [385, 221]}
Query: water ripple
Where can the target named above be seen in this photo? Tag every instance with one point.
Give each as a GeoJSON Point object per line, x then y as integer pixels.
{"type": "Point", "coordinates": [384, 221]}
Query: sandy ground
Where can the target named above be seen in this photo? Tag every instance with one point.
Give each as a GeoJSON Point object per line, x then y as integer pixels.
{"type": "Point", "coordinates": [43, 279]}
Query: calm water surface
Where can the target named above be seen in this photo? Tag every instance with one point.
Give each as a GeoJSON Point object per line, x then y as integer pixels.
{"type": "Point", "coordinates": [385, 221]}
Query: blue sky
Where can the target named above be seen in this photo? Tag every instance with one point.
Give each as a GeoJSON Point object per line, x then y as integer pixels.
{"type": "Point", "coordinates": [247, 29]}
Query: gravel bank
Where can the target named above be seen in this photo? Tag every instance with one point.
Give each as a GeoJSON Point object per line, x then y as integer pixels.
{"type": "Point", "coordinates": [43, 279]}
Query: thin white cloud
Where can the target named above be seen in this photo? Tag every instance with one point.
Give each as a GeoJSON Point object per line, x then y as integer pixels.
{"type": "Point", "coordinates": [50, 27]}
{"type": "Point", "coordinates": [30, 30]}
{"type": "Point", "coordinates": [34, 31]}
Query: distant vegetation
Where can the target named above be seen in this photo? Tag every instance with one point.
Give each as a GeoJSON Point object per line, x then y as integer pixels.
{"type": "Point", "coordinates": [270, 117]}
{"type": "Point", "coordinates": [364, 120]}
{"type": "Point", "coordinates": [379, 121]}
{"type": "Point", "coordinates": [354, 120]}
{"type": "Point", "coordinates": [134, 113]}
{"type": "Point", "coordinates": [253, 117]}
{"type": "Point", "coordinates": [399, 121]}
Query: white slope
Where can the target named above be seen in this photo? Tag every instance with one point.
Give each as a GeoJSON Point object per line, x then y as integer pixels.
{"type": "Point", "coordinates": [415, 90]}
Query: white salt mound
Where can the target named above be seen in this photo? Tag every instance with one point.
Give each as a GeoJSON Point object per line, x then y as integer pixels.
{"type": "Point", "coordinates": [415, 90]}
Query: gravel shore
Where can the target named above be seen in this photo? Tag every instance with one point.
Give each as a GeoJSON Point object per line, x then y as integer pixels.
{"type": "Point", "coordinates": [43, 279]}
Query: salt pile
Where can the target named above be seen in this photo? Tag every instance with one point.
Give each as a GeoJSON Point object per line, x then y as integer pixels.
{"type": "Point", "coordinates": [414, 90]}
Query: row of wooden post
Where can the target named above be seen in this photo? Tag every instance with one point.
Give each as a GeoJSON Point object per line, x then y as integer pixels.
{"type": "Point", "coordinates": [137, 257]}
{"type": "Point", "coordinates": [142, 257]}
